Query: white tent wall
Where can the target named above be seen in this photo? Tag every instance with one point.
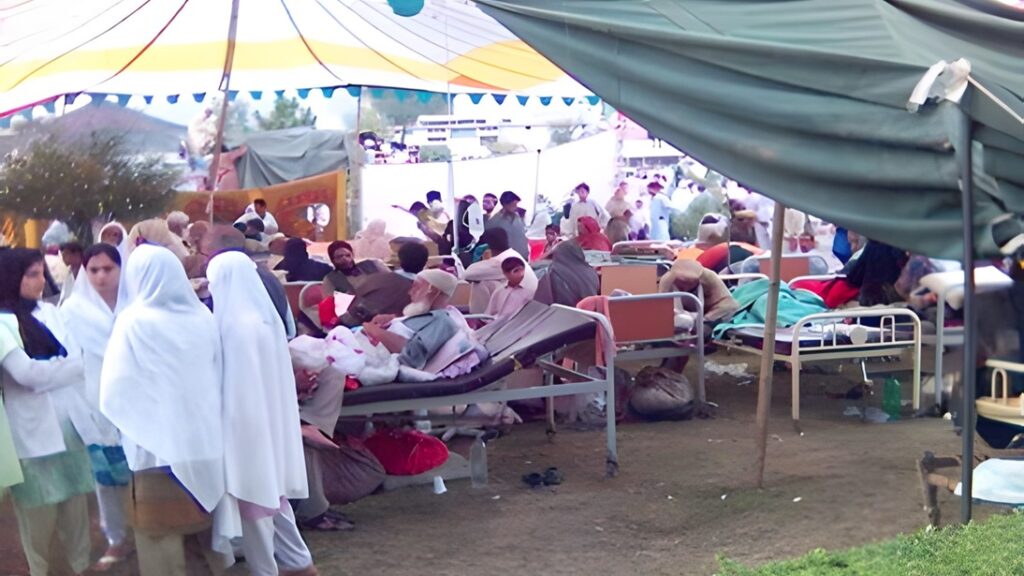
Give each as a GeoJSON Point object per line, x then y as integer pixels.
{"type": "Point", "coordinates": [591, 160]}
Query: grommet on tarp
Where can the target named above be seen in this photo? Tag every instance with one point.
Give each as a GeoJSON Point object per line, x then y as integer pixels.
{"type": "Point", "coordinates": [255, 94]}
{"type": "Point", "coordinates": [499, 98]}
{"type": "Point", "coordinates": [406, 7]}
{"type": "Point", "coordinates": [523, 100]}
{"type": "Point", "coordinates": [545, 100]}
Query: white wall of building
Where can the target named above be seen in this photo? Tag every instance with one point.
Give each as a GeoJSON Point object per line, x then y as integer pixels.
{"type": "Point", "coordinates": [591, 160]}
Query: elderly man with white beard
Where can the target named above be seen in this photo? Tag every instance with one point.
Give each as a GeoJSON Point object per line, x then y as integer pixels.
{"type": "Point", "coordinates": [428, 322]}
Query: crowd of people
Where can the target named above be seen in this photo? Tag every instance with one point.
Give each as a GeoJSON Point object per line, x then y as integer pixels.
{"type": "Point", "coordinates": [157, 368]}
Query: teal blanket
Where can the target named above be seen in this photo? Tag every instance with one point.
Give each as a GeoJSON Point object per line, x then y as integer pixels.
{"type": "Point", "coordinates": [753, 300]}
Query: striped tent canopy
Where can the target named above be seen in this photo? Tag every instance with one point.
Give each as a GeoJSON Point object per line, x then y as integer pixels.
{"type": "Point", "coordinates": [164, 48]}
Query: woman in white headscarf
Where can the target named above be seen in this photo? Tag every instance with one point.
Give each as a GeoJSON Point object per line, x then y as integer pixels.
{"type": "Point", "coordinates": [89, 316]}
{"type": "Point", "coordinates": [373, 242]}
{"type": "Point", "coordinates": [114, 234]}
{"type": "Point", "coordinates": [263, 455]}
{"type": "Point", "coordinates": [161, 386]}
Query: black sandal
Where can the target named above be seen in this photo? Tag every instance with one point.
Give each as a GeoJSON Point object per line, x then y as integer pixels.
{"type": "Point", "coordinates": [533, 479]}
{"type": "Point", "coordinates": [553, 477]}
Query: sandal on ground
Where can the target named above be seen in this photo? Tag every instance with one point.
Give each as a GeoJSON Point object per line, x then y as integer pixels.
{"type": "Point", "coordinates": [324, 523]}
{"type": "Point", "coordinates": [553, 477]}
{"type": "Point", "coordinates": [338, 516]}
{"type": "Point", "coordinates": [533, 479]}
{"type": "Point", "coordinates": [114, 555]}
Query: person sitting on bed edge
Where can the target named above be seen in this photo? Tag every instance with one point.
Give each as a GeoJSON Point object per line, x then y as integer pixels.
{"type": "Point", "coordinates": [433, 337]}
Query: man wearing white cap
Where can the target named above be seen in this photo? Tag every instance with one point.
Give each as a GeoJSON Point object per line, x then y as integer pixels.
{"type": "Point", "coordinates": [428, 324]}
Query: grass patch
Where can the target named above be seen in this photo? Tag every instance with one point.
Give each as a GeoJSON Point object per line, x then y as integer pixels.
{"type": "Point", "coordinates": [991, 548]}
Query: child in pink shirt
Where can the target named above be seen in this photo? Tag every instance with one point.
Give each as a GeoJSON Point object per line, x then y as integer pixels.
{"type": "Point", "coordinates": [508, 300]}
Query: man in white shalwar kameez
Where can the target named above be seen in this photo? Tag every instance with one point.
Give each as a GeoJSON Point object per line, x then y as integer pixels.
{"type": "Point", "coordinates": [263, 452]}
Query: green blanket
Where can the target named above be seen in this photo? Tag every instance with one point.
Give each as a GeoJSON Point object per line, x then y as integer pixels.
{"type": "Point", "coordinates": [753, 300]}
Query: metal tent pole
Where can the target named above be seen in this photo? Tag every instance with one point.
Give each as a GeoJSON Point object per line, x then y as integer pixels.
{"type": "Point", "coordinates": [967, 380]}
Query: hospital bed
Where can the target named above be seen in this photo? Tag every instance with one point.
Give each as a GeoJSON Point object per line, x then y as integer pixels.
{"type": "Point", "coordinates": [836, 335]}
{"type": "Point", "coordinates": [949, 287]}
{"type": "Point", "coordinates": [532, 338]}
{"type": "Point", "coordinates": [998, 409]}
{"type": "Point", "coordinates": [644, 328]}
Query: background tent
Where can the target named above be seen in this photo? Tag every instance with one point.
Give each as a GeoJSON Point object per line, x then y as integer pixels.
{"type": "Point", "coordinates": [806, 100]}
{"type": "Point", "coordinates": [279, 156]}
{"type": "Point", "coordinates": [165, 48]}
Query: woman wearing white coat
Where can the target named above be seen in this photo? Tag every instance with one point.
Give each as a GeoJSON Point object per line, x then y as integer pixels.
{"type": "Point", "coordinates": [89, 315]}
{"type": "Point", "coordinates": [263, 452]}
{"type": "Point", "coordinates": [48, 417]}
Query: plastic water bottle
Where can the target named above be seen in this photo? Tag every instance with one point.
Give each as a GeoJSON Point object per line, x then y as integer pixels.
{"type": "Point", "coordinates": [891, 398]}
{"type": "Point", "coordinates": [478, 463]}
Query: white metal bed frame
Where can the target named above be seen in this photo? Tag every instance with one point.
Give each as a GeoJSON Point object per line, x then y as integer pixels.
{"type": "Point", "coordinates": [496, 391]}
{"type": "Point", "coordinates": [644, 350]}
{"type": "Point", "coordinates": [829, 347]}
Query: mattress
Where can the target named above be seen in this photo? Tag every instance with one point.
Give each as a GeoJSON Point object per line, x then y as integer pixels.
{"type": "Point", "coordinates": [536, 331]}
{"type": "Point", "coordinates": [753, 337]}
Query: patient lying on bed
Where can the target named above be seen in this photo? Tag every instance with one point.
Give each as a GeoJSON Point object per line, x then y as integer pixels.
{"type": "Point", "coordinates": [433, 339]}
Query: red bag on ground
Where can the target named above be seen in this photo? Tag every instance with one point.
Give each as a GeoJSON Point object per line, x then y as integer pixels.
{"type": "Point", "coordinates": [407, 452]}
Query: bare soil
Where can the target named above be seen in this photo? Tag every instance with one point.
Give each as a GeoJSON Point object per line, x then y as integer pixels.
{"type": "Point", "coordinates": [684, 494]}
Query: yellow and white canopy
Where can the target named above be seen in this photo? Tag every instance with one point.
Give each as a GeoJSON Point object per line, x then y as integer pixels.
{"type": "Point", "coordinates": [163, 48]}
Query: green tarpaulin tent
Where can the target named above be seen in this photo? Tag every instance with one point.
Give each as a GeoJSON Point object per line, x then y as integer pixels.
{"type": "Point", "coordinates": [806, 101]}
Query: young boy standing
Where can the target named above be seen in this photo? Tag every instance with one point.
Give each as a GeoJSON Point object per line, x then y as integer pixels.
{"type": "Point", "coordinates": [508, 300]}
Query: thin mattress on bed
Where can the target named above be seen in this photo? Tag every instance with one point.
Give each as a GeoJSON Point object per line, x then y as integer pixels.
{"type": "Point", "coordinates": [535, 331]}
{"type": "Point", "coordinates": [816, 336]}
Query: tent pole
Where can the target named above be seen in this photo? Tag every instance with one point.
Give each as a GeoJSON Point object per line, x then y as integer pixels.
{"type": "Point", "coordinates": [970, 317]}
{"type": "Point", "coordinates": [764, 386]}
{"type": "Point", "coordinates": [225, 81]}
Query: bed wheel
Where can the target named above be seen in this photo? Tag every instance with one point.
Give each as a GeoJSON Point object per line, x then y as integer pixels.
{"type": "Point", "coordinates": [611, 469]}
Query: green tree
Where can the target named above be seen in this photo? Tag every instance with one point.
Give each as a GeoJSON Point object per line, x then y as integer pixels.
{"type": "Point", "coordinates": [404, 111]}
{"type": "Point", "coordinates": [287, 113]}
{"type": "Point", "coordinates": [78, 181]}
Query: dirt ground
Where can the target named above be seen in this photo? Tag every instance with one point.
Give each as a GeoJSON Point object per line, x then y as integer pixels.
{"type": "Point", "coordinates": [684, 494]}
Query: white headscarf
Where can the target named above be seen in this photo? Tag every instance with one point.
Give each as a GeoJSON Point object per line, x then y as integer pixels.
{"type": "Point", "coordinates": [122, 248]}
{"type": "Point", "coordinates": [373, 242]}
{"type": "Point", "coordinates": [161, 379]}
{"type": "Point", "coordinates": [90, 321]}
{"type": "Point", "coordinates": [262, 437]}
{"type": "Point", "coordinates": [263, 458]}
